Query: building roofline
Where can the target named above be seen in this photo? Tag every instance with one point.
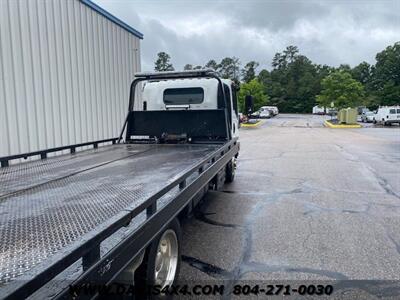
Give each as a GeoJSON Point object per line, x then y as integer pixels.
{"type": "Point", "coordinates": [112, 18]}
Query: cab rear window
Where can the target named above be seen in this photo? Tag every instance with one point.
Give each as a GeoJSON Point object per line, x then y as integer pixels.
{"type": "Point", "coordinates": [181, 96]}
{"type": "Point", "coordinates": [392, 111]}
{"type": "Point", "coordinates": [398, 110]}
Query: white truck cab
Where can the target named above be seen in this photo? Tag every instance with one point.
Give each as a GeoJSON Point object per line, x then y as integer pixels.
{"type": "Point", "coordinates": [387, 115]}
{"type": "Point", "coordinates": [191, 94]}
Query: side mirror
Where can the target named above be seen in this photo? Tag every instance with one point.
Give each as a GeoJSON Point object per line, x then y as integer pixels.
{"type": "Point", "coordinates": [248, 104]}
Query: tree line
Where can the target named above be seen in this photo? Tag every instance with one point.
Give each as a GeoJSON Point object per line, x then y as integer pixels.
{"type": "Point", "coordinates": [295, 84]}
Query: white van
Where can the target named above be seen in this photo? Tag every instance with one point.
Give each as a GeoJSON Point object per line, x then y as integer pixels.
{"type": "Point", "coordinates": [318, 110]}
{"type": "Point", "coordinates": [387, 115]}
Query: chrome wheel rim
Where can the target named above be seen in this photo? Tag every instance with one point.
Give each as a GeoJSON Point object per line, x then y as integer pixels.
{"type": "Point", "coordinates": [166, 259]}
{"type": "Point", "coordinates": [234, 166]}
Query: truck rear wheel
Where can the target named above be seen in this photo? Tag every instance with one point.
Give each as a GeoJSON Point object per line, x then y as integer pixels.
{"type": "Point", "coordinates": [230, 171]}
{"type": "Point", "coordinates": [161, 263]}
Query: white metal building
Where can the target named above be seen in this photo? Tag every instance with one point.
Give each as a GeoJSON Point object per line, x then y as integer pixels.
{"type": "Point", "coordinates": [65, 71]}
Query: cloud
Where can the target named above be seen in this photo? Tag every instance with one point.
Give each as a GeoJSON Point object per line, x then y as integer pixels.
{"type": "Point", "coordinates": [329, 32]}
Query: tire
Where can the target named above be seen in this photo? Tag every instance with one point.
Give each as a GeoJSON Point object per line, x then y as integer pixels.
{"type": "Point", "coordinates": [374, 121]}
{"type": "Point", "coordinates": [146, 276]}
{"type": "Point", "coordinates": [230, 171]}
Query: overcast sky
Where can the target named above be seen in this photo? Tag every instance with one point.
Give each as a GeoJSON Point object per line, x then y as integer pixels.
{"type": "Point", "coordinates": [329, 32]}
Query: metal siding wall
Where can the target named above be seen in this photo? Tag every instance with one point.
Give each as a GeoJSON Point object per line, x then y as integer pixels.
{"type": "Point", "coordinates": [65, 73]}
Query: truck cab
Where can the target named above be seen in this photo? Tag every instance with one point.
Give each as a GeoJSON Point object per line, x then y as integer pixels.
{"type": "Point", "coordinates": [191, 94]}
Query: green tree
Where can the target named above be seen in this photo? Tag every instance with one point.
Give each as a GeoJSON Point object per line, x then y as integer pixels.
{"type": "Point", "coordinates": [255, 89]}
{"type": "Point", "coordinates": [188, 67]}
{"type": "Point", "coordinates": [344, 67]}
{"type": "Point", "coordinates": [249, 71]}
{"type": "Point", "coordinates": [264, 77]}
{"type": "Point", "coordinates": [163, 62]}
{"type": "Point", "coordinates": [322, 71]}
{"type": "Point", "coordinates": [362, 73]}
{"type": "Point", "coordinates": [197, 68]}
{"type": "Point", "coordinates": [341, 89]}
{"type": "Point", "coordinates": [229, 68]}
{"type": "Point", "coordinates": [386, 76]}
{"type": "Point", "coordinates": [281, 60]}
{"type": "Point", "coordinates": [293, 82]}
{"type": "Point", "coordinates": [290, 53]}
{"type": "Point", "coordinates": [212, 64]}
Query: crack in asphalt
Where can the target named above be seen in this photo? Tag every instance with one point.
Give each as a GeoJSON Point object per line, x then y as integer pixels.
{"type": "Point", "coordinates": [365, 211]}
{"type": "Point", "coordinates": [258, 267]}
{"type": "Point", "coordinates": [312, 208]}
{"type": "Point", "coordinates": [321, 189]}
{"type": "Point", "coordinates": [248, 267]}
{"type": "Point", "coordinates": [207, 268]}
{"type": "Point", "coordinates": [244, 265]}
{"type": "Point", "coordinates": [389, 159]}
{"type": "Point", "coordinates": [383, 183]}
{"type": "Point", "coordinates": [201, 216]}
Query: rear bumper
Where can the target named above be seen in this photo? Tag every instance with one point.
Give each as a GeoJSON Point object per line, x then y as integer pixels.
{"type": "Point", "coordinates": [392, 121]}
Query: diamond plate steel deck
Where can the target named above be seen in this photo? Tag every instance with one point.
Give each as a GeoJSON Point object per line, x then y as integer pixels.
{"type": "Point", "coordinates": [49, 205]}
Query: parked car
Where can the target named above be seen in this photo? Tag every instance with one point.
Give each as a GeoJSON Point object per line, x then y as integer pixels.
{"type": "Point", "coordinates": [387, 115]}
{"type": "Point", "coordinates": [255, 115]}
{"type": "Point", "coordinates": [265, 112]}
{"type": "Point", "coordinates": [331, 112]}
{"type": "Point", "coordinates": [274, 110]}
{"type": "Point", "coordinates": [367, 116]}
{"type": "Point", "coordinates": [362, 109]}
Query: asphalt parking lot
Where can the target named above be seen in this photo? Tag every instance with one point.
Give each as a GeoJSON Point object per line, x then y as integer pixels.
{"type": "Point", "coordinates": [308, 203]}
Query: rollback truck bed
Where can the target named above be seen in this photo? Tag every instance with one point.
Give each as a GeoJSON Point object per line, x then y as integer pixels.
{"type": "Point", "coordinates": [93, 215]}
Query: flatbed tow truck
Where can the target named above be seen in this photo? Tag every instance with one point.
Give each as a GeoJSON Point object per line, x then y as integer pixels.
{"type": "Point", "coordinates": [112, 213]}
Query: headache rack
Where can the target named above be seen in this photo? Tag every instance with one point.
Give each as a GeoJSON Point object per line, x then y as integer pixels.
{"type": "Point", "coordinates": [144, 122]}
